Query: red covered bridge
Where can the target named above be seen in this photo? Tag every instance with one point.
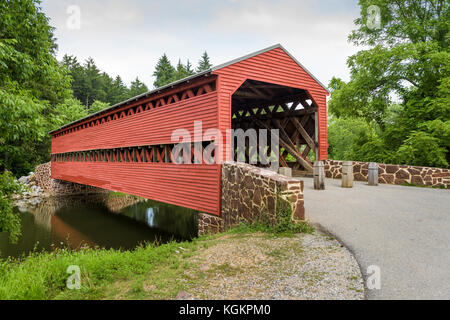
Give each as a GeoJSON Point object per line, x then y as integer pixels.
{"type": "Point", "coordinates": [127, 147]}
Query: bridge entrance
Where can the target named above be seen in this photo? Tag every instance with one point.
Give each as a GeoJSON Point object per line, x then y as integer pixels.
{"type": "Point", "coordinates": [262, 105]}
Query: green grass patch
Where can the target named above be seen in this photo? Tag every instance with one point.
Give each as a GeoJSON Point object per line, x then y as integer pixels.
{"type": "Point", "coordinates": [225, 269]}
{"type": "Point", "coordinates": [117, 194]}
{"type": "Point", "coordinates": [147, 272]}
{"type": "Point", "coordinates": [44, 275]}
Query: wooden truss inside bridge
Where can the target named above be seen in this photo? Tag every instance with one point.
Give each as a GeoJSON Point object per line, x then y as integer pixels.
{"type": "Point", "coordinates": [259, 105]}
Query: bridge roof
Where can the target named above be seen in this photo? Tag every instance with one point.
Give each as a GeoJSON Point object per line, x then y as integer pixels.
{"type": "Point", "coordinates": [187, 79]}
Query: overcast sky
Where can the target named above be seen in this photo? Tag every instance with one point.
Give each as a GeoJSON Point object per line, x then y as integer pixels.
{"type": "Point", "coordinates": [126, 37]}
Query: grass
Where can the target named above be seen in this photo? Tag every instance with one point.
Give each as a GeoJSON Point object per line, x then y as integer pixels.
{"type": "Point", "coordinates": [149, 271]}
{"type": "Point", "coordinates": [276, 253]}
{"type": "Point", "coordinates": [44, 276]}
{"type": "Point", "coordinates": [117, 194]}
{"type": "Point", "coordinates": [225, 269]}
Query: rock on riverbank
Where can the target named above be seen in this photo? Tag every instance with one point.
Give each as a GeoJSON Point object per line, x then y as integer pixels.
{"type": "Point", "coordinates": [32, 193]}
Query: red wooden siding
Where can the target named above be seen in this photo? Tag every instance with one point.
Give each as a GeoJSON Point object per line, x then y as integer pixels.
{"type": "Point", "coordinates": [273, 66]}
{"type": "Point", "coordinates": [193, 186]}
{"type": "Point", "coordinates": [145, 128]}
{"type": "Point", "coordinates": [150, 120]}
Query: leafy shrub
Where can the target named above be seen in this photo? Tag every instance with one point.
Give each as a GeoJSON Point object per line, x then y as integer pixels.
{"type": "Point", "coordinates": [9, 221]}
{"type": "Point", "coordinates": [284, 223]}
{"type": "Point", "coordinates": [422, 149]}
{"type": "Point", "coordinates": [97, 106]}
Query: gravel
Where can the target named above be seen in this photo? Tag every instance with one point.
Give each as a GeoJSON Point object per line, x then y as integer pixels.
{"type": "Point", "coordinates": [256, 266]}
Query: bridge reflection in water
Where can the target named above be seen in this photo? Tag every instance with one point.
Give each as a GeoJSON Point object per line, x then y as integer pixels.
{"type": "Point", "coordinates": [120, 222]}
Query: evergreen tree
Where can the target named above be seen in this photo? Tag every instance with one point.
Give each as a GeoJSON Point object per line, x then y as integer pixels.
{"type": "Point", "coordinates": [204, 63]}
{"type": "Point", "coordinates": [188, 68]}
{"type": "Point", "coordinates": [164, 72]}
{"type": "Point", "coordinates": [120, 91]}
{"type": "Point", "coordinates": [76, 71]}
{"type": "Point", "coordinates": [137, 87]}
{"type": "Point", "coordinates": [108, 87]}
{"type": "Point", "coordinates": [180, 72]}
{"type": "Point", "coordinates": [93, 84]}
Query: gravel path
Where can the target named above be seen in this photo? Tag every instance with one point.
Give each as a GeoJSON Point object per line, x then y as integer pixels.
{"type": "Point", "coordinates": [257, 266]}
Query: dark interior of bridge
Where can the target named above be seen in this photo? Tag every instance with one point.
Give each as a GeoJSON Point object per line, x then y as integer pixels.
{"type": "Point", "coordinates": [261, 105]}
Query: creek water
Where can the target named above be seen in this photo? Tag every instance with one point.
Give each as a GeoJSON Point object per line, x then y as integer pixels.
{"type": "Point", "coordinates": [106, 221]}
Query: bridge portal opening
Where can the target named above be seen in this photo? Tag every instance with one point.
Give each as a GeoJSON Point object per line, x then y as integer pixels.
{"type": "Point", "coordinates": [261, 105]}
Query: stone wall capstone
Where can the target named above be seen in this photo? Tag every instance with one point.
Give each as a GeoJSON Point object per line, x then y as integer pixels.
{"type": "Point", "coordinates": [56, 187]}
{"type": "Point", "coordinates": [252, 194]}
{"type": "Point", "coordinates": [393, 173]}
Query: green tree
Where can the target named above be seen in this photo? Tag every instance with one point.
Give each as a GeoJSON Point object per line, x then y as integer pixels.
{"type": "Point", "coordinates": [68, 111]}
{"type": "Point", "coordinates": [164, 72]}
{"type": "Point", "coordinates": [27, 50]}
{"type": "Point", "coordinates": [90, 83]}
{"type": "Point", "coordinates": [407, 58]}
{"type": "Point", "coordinates": [76, 71]}
{"type": "Point", "coordinates": [120, 92]}
{"type": "Point", "coordinates": [420, 148]}
{"type": "Point", "coordinates": [9, 222]}
{"type": "Point", "coordinates": [93, 84]}
{"type": "Point", "coordinates": [188, 68]}
{"type": "Point", "coordinates": [22, 127]}
{"type": "Point", "coordinates": [183, 71]}
{"type": "Point", "coordinates": [137, 87]}
{"type": "Point", "coordinates": [204, 63]}
{"type": "Point", "coordinates": [32, 83]}
{"type": "Point", "coordinates": [180, 71]}
{"type": "Point", "coordinates": [97, 106]}
{"type": "Point", "coordinates": [342, 136]}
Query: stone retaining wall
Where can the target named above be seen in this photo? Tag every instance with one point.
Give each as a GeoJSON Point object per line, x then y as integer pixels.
{"type": "Point", "coordinates": [251, 194]}
{"type": "Point", "coordinates": [58, 187]}
{"type": "Point", "coordinates": [393, 173]}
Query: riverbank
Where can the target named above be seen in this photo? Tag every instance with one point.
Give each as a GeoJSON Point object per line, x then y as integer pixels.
{"type": "Point", "coordinates": [239, 264]}
{"type": "Point", "coordinates": [32, 194]}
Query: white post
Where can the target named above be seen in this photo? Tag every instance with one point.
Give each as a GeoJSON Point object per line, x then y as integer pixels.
{"type": "Point", "coordinates": [347, 174]}
{"type": "Point", "coordinates": [319, 176]}
{"type": "Point", "coordinates": [373, 174]}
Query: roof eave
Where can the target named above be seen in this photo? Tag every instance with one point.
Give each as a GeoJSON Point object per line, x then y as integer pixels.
{"type": "Point", "coordinates": [197, 75]}
{"type": "Point", "coordinates": [148, 93]}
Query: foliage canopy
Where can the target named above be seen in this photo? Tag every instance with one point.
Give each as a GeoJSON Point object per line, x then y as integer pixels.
{"type": "Point", "coordinates": [399, 85]}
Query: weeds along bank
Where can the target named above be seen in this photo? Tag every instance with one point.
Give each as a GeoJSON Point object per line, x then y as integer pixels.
{"type": "Point", "coordinates": [44, 275]}
{"type": "Point", "coordinates": [243, 263]}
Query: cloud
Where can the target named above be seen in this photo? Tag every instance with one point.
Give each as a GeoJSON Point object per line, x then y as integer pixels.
{"type": "Point", "coordinates": [127, 37]}
{"type": "Point", "coordinates": [317, 37]}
